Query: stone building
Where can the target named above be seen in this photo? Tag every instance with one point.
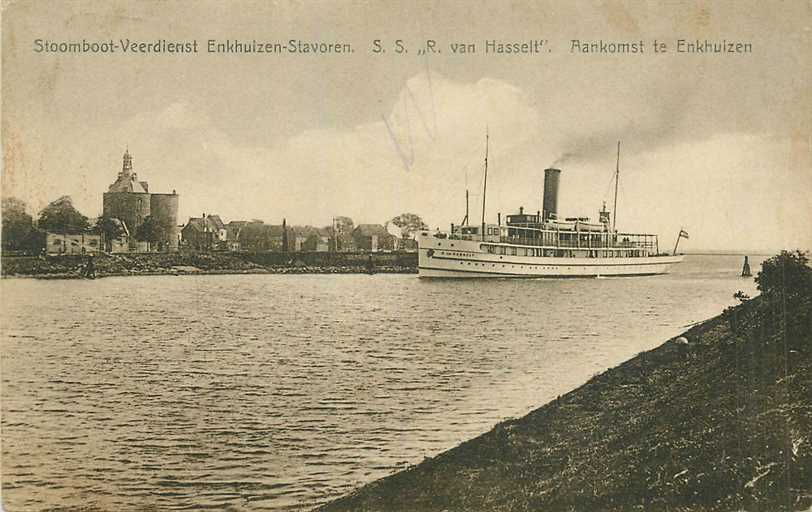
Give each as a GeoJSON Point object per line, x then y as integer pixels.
{"type": "Point", "coordinates": [129, 200]}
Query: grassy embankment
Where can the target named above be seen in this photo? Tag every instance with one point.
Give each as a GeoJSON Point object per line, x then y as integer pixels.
{"type": "Point", "coordinates": [722, 423]}
{"type": "Point", "coordinates": [68, 267]}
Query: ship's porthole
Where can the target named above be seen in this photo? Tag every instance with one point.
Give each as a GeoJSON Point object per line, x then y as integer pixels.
{"type": "Point", "coordinates": [430, 253]}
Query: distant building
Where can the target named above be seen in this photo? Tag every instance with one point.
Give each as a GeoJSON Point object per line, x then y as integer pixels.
{"type": "Point", "coordinates": [220, 232]}
{"type": "Point", "coordinates": [312, 239]}
{"type": "Point", "coordinates": [316, 242]}
{"type": "Point", "coordinates": [372, 238]}
{"type": "Point", "coordinates": [129, 200]}
{"type": "Point", "coordinates": [252, 236]}
{"type": "Point", "coordinates": [233, 230]}
{"type": "Point", "coordinates": [72, 243]}
{"type": "Point", "coordinates": [120, 243]}
{"type": "Point", "coordinates": [205, 233]}
{"type": "Point", "coordinates": [258, 236]}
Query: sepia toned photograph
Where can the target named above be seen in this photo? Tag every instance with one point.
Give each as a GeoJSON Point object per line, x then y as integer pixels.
{"type": "Point", "coordinates": [418, 256]}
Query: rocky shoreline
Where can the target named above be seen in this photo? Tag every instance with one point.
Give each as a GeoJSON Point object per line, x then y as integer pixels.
{"type": "Point", "coordinates": [716, 419]}
{"type": "Point", "coordinates": [73, 267]}
{"type": "Point", "coordinates": [199, 272]}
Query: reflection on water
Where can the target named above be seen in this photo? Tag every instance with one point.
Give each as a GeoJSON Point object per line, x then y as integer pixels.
{"type": "Point", "coordinates": [271, 392]}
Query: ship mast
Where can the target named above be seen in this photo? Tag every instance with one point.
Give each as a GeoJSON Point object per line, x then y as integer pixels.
{"type": "Point", "coordinates": [617, 178]}
{"type": "Point", "coordinates": [465, 220]}
{"type": "Point", "coordinates": [485, 183]}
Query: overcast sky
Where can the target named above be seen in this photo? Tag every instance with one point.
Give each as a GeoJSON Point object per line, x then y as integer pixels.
{"type": "Point", "coordinates": [718, 144]}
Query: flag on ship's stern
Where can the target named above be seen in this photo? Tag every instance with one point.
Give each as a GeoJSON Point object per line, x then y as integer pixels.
{"type": "Point", "coordinates": [683, 234]}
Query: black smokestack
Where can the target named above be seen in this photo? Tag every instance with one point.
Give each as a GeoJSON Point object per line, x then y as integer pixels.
{"type": "Point", "coordinates": [550, 204]}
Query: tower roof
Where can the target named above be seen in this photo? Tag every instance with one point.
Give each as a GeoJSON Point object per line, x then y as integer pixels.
{"type": "Point", "coordinates": [127, 167]}
{"type": "Point", "coordinates": [127, 180]}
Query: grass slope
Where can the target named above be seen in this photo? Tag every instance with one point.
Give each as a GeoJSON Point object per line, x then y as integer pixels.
{"type": "Point", "coordinates": [723, 423]}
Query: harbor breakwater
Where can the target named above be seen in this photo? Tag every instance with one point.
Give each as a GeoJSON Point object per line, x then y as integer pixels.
{"type": "Point", "coordinates": [718, 418]}
{"type": "Point", "coordinates": [183, 263]}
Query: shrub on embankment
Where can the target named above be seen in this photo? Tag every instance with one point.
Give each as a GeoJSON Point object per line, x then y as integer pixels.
{"type": "Point", "coordinates": [721, 423]}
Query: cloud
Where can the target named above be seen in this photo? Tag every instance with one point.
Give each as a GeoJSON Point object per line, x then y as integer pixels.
{"type": "Point", "coordinates": [410, 159]}
{"type": "Point", "coordinates": [420, 153]}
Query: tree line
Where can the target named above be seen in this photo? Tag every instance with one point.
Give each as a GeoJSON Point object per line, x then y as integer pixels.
{"type": "Point", "coordinates": [407, 223]}
{"type": "Point", "coordinates": [21, 233]}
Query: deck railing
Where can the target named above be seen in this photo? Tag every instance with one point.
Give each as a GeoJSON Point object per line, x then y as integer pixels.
{"type": "Point", "coordinates": [621, 241]}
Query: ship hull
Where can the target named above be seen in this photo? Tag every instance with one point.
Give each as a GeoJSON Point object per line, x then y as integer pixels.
{"type": "Point", "coordinates": [448, 258]}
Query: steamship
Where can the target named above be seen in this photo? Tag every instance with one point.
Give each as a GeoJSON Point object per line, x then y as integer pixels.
{"type": "Point", "coordinates": [542, 245]}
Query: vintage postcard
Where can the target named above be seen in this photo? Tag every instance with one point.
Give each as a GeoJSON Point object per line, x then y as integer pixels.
{"type": "Point", "coordinates": [406, 255]}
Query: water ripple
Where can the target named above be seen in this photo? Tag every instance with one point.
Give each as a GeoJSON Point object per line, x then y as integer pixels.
{"type": "Point", "coordinates": [281, 392]}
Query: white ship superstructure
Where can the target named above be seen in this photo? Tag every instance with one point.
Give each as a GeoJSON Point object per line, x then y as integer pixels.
{"type": "Point", "coordinates": [541, 245]}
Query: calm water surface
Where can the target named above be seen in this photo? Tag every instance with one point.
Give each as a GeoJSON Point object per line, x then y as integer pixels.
{"type": "Point", "coordinates": [279, 392]}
